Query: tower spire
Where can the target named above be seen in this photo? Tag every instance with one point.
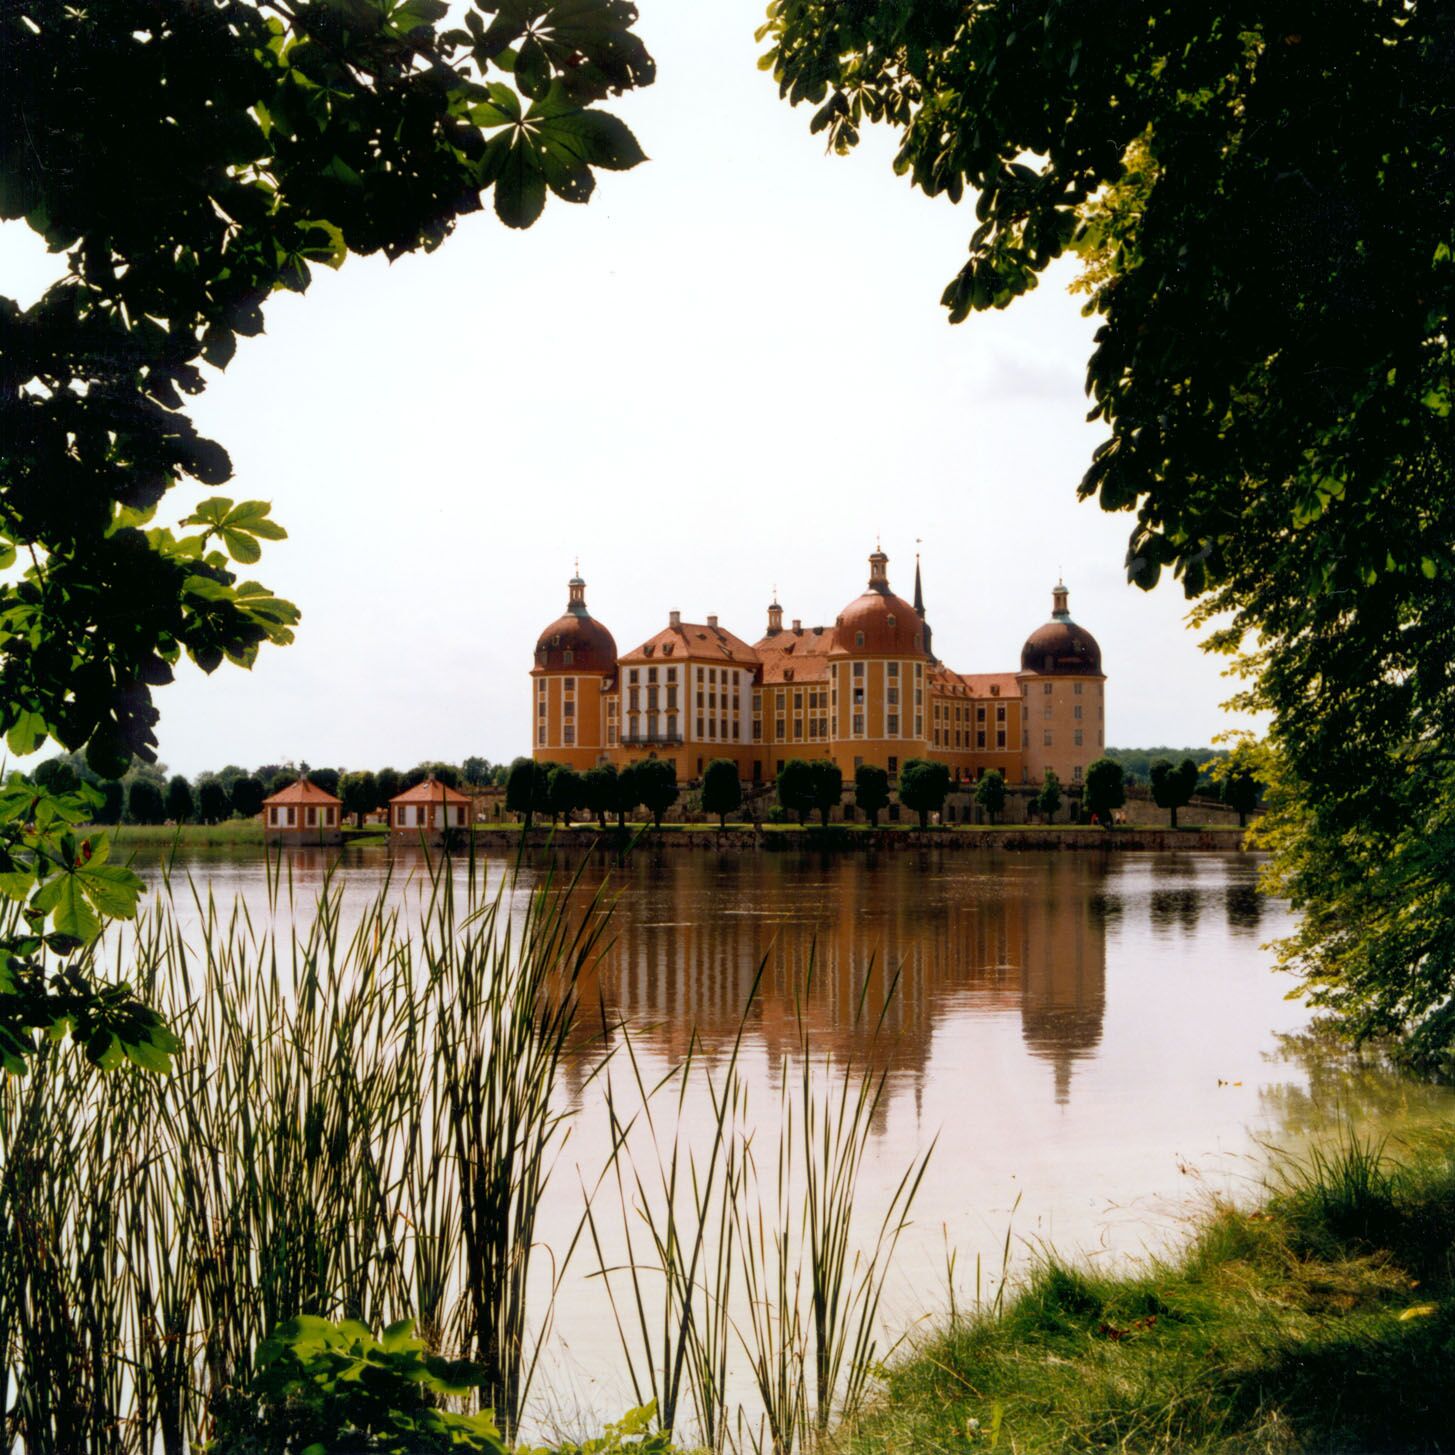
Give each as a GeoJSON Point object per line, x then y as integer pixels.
{"type": "Point", "coordinates": [919, 595]}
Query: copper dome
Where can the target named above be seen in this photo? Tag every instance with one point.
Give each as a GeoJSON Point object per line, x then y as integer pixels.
{"type": "Point", "coordinates": [576, 641]}
{"type": "Point", "coordinates": [879, 623]}
{"type": "Point", "coordinates": [1061, 647]}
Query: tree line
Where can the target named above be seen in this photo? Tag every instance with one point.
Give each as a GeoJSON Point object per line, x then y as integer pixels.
{"type": "Point", "coordinates": [147, 794]}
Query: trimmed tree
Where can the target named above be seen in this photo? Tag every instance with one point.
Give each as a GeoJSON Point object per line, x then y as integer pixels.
{"type": "Point", "coordinates": [923, 787]}
{"type": "Point", "coordinates": [600, 794]}
{"type": "Point", "coordinates": [657, 786]}
{"type": "Point", "coordinates": [144, 802]}
{"type": "Point", "coordinates": [990, 793]}
{"type": "Point", "coordinates": [1048, 800]}
{"type": "Point", "coordinates": [628, 794]}
{"type": "Point", "coordinates": [871, 790]}
{"type": "Point", "coordinates": [520, 790]}
{"type": "Point", "coordinates": [1106, 789]}
{"type": "Point", "coordinates": [1240, 791]}
{"type": "Point", "coordinates": [795, 788]}
{"type": "Point", "coordinates": [360, 794]}
{"type": "Point", "coordinates": [181, 806]}
{"type": "Point", "coordinates": [722, 790]}
{"type": "Point", "coordinates": [1172, 788]}
{"type": "Point", "coordinates": [391, 785]}
{"type": "Point", "coordinates": [826, 787]}
{"type": "Point", "coordinates": [565, 792]}
{"type": "Point", "coordinates": [247, 796]}
{"type": "Point", "coordinates": [212, 802]}
{"type": "Point", "coordinates": [476, 771]}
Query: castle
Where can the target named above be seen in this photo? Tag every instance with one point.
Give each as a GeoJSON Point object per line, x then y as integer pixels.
{"type": "Point", "coordinates": [868, 689]}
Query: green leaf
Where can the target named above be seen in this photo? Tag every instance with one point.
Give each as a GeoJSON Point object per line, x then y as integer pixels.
{"type": "Point", "coordinates": [63, 899]}
{"type": "Point", "coordinates": [520, 189]}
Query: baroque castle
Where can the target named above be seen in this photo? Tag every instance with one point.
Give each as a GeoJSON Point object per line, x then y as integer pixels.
{"type": "Point", "coordinates": [868, 689]}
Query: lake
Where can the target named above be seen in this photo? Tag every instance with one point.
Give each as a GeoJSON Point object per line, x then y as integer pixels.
{"type": "Point", "coordinates": [1095, 1043]}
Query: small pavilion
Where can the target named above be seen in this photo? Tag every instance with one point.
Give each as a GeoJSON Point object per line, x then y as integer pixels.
{"type": "Point", "coordinates": [430, 809]}
{"type": "Point", "coordinates": [302, 813]}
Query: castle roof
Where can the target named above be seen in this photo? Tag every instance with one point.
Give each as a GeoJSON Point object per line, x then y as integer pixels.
{"type": "Point", "coordinates": [693, 641]}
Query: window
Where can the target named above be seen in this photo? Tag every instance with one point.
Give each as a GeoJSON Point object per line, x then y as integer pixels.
{"type": "Point", "coordinates": [858, 639]}
{"type": "Point", "coordinates": [1047, 739]}
{"type": "Point", "coordinates": [651, 674]}
{"type": "Point", "coordinates": [699, 701]}
{"type": "Point", "coordinates": [569, 708]}
{"type": "Point", "coordinates": [798, 727]}
{"type": "Point", "coordinates": [893, 766]}
{"type": "Point", "coordinates": [541, 708]}
{"type": "Point", "coordinates": [859, 723]}
{"type": "Point", "coordinates": [671, 674]}
{"type": "Point", "coordinates": [1098, 738]}
{"type": "Point", "coordinates": [699, 727]}
{"type": "Point", "coordinates": [541, 736]}
{"type": "Point", "coordinates": [633, 698]}
{"type": "Point", "coordinates": [858, 669]}
{"type": "Point", "coordinates": [798, 702]}
{"type": "Point", "coordinates": [757, 730]}
{"type": "Point", "coordinates": [671, 699]}
{"type": "Point", "coordinates": [894, 697]}
{"type": "Point", "coordinates": [858, 763]}
{"type": "Point", "coordinates": [1076, 712]}
{"type": "Point", "coordinates": [1000, 714]}
{"type": "Point", "coordinates": [671, 724]}
{"type": "Point", "coordinates": [890, 619]}
{"type": "Point", "coordinates": [1046, 711]}
{"type": "Point", "coordinates": [1076, 737]}
{"type": "Point", "coordinates": [980, 738]}
{"type": "Point", "coordinates": [893, 666]}
{"type": "Point", "coordinates": [568, 735]}
{"type": "Point", "coordinates": [631, 675]}
{"type": "Point", "coordinates": [893, 724]}
{"type": "Point", "coordinates": [570, 684]}
{"type": "Point", "coordinates": [567, 657]}
{"type": "Point", "coordinates": [1077, 689]}
{"type": "Point", "coordinates": [1000, 739]}
{"type": "Point", "coordinates": [1076, 774]}
{"type": "Point", "coordinates": [778, 729]}
{"type": "Point", "coordinates": [1045, 689]}
{"type": "Point", "coordinates": [979, 714]}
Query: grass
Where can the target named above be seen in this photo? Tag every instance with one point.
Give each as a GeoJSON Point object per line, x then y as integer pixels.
{"type": "Point", "coordinates": [187, 835]}
{"type": "Point", "coordinates": [1322, 1321]}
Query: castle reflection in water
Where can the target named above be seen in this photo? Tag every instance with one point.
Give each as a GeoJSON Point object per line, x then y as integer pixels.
{"type": "Point", "coordinates": [1014, 935]}
{"type": "Point", "coordinates": [1017, 939]}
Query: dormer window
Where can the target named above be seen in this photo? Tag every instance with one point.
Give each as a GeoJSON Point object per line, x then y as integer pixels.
{"type": "Point", "coordinates": [995, 689]}
{"type": "Point", "coordinates": [568, 656]}
{"type": "Point", "coordinates": [858, 639]}
{"type": "Point", "coordinates": [891, 619]}
{"type": "Point", "coordinates": [666, 649]}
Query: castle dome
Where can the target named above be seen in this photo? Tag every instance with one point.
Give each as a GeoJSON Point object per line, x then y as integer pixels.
{"type": "Point", "coordinates": [576, 641]}
{"type": "Point", "coordinates": [1061, 648]}
{"type": "Point", "coordinates": [879, 623]}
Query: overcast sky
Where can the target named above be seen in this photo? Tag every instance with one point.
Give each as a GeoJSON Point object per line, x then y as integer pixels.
{"type": "Point", "coordinates": [729, 370]}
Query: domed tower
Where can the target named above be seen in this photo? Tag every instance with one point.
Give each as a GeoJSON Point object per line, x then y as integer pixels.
{"type": "Point", "coordinates": [877, 666]}
{"type": "Point", "coordinates": [575, 669]}
{"type": "Point", "coordinates": [1064, 693]}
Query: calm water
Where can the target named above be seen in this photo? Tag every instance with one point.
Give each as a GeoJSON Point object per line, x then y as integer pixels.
{"type": "Point", "coordinates": [1097, 1043]}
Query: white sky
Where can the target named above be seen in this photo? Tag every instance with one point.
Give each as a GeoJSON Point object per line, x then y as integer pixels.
{"type": "Point", "coordinates": [729, 370]}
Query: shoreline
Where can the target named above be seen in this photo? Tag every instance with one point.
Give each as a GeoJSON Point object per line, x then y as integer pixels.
{"type": "Point", "coordinates": [766, 838]}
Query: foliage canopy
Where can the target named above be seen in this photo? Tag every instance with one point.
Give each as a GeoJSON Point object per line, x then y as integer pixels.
{"type": "Point", "coordinates": [1263, 198]}
{"type": "Point", "coordinates": [189, 161]}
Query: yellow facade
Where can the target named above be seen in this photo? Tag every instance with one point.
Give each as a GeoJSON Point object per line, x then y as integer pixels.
{"type": "Point", "coordinates": [867, 689]}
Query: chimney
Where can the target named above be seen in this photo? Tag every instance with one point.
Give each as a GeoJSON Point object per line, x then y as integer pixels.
{"type": "Point", "coordinates": [674, 619]}
{"type": "Point", "coordinates": [797, 626]}
{"type": "Point", "coordinates": [712, 622]}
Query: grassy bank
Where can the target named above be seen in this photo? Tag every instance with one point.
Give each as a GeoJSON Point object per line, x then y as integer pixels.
{"type": "Point", "coordinates": [235, 831]}
{"type": "Point", "coordinates": [1325, 1320]}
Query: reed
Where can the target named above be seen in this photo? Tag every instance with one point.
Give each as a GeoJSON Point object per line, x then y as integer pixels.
{"type": "Point", "coordinates": [725, 1252]}
{"type": "Point", "coordinates": [362, 1124]}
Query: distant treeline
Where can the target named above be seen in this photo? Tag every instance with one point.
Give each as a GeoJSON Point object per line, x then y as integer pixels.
{"type": "Point", "coordinates": [148, 794]}
{"type": "Point", "coordinates": [1137, 762]}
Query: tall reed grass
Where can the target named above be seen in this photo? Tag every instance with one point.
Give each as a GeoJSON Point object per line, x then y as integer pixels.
{"type": "Point", "coordinates": [364, 1123]}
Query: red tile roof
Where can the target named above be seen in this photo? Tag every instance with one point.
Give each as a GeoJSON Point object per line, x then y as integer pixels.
{"type": "Point", "coordinates": [431, 791]}
{"type": "Point", "coordinates": [796, 656]}
{"type": "Point", "coordinates": [301, 792]}
{"type": "Point", "coordinates": [693, 641]}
